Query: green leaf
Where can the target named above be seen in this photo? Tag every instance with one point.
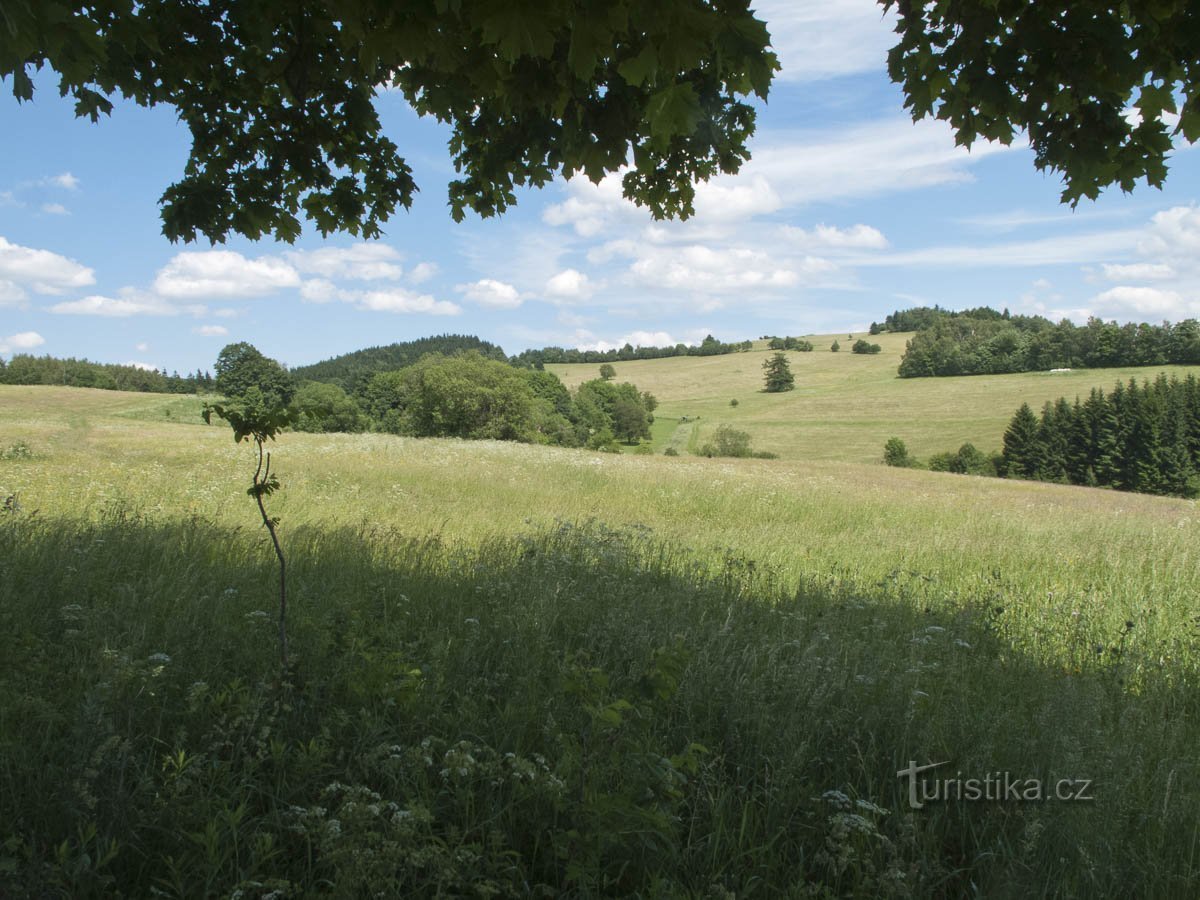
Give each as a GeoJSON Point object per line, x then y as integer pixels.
{"type": "Point", "coordinates": [674, 110]}
{"type": "Point", "coordinates": [641, 68]}
{"type": "Point", "coordinates": [519, 29]}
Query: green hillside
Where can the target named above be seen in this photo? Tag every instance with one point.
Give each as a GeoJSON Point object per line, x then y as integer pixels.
{"type": "Point", "coordinates": [845, 405]}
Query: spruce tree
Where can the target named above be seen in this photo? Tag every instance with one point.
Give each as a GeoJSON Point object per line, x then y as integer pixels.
{"type": "Point", "coordinates": [778, 375]}
{"type": "Point", "coordinates": [1021, 452]}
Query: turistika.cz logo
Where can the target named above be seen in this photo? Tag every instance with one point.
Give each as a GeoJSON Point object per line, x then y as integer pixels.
{"type": "Point", "coordinates": [994, 786]}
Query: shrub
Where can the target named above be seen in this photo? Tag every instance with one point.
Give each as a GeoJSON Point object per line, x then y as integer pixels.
{"type": "Point", "coordinates": [670, 451]}
{"type": "Point", "coordinates": [733, 402]}
{"type": "Point", "coordinates": [728, 441]}
{"type": "Point", "coordinates": [643, 450]}
{"type": "Point", "coordinates": [19, 450]}
{"type": "Point", "coordinates": [835, 347]}
{"type": "Point", "coordinates": [895, 453]}
{"type": "Point", "coordinates": [861, 346]}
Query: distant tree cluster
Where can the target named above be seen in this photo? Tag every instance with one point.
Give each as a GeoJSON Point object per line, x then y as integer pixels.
{"type": "Point", "coordinates": [986, 342]}
{"type": "Point", "coordinates": [465, 395]}
{"type": "Point", "coordinates": [710, 346]}
{"type": "Point", "coordinates": [351, 371]}
{"type": "Point", "coordinates": [861, 346]}
{"type": "Point", "coordinates": [789, 343]}
{"type": "Point", "coordinates": [26, 369]}
{"type": "Point", "coordinates": [1139, 437]}
{"type": "Point", "coordinates": [1143, 438]}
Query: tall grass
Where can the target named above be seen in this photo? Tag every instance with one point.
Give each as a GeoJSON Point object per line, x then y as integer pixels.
{"type": "Point", "coordinates": [569, 711]}
{"type": "Point", "coordinates": [494, 693]}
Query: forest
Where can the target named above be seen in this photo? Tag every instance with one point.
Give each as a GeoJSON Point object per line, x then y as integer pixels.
{"type": "Point", "coordinates": [983, 341]}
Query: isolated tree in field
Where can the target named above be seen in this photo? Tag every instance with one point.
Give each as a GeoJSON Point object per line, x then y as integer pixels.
{"type": "Point", "coordinates": [258, 419]}
{"type": "Point", "coordinates": [777, 374]}
{"type": "Point", "coordinates": [1065, 74]}
{"type": "Point", "coordinates": [279, 97]}
{"type": "Point", "coordinates": [835, 347]}
{"type": "Point", "coordinates": [607, 372]}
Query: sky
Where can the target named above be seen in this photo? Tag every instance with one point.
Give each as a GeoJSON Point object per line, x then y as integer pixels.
{"type": "Point", "coordinates": [847, 211]}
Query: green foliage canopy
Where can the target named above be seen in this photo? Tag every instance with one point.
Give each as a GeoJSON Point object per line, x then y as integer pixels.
{"type": "Point", "coordinates": [1065, 73]}
{"type": "Point", "coordinates": [278, 97]}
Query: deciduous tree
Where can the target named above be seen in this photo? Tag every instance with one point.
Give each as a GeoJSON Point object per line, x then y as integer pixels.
{"type": "Point", "coordinates": [278, 97]}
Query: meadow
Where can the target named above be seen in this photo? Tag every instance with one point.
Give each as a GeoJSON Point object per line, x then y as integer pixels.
{"type": "Point", "coordinates": [530, 671]}
{"type": "Point", "coordinates": [845, 405]}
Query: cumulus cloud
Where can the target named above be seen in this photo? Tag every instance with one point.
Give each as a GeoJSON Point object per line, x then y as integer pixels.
{"type": "Point", "coordinates": [129, 302]}
{"type": "Point", "coordinates": [1137, 272]}
{"type": "Point", "coordinates": [398, 300]}
{"type": "Point", "coordinates": [211, 331]}
{"type": "Point", "coordinates": [64, 180]}
{"type": "Point", "coordinates": [358, 262]}
{"type": "Point", "coordinates": [24, 340]}
{"type": "Point", "coordinates": [422, 272]}
{"type": "Point", "coordinates": [1147, 302]}
{"type": "Point", "coordinates": [570, 284]}
{"type": "Point", "coordinates": [144, 366]}
{"type": "Point", "coordinates": [223, 273]}
{"type": "Point", "coordinates": [318, 290]}
{"type": "Point", "coordinates": [856, 237]}
{"type": "Point", "coordinates": [701, 269]}
{"type": "Point", "coordinates": [40, 270]}
{"type": "Point", "coordinates": [12, 294]}
{"type": "Point", "coordinates": [55, 209]}
{"type": "Point", "coordinates": [492, 294]}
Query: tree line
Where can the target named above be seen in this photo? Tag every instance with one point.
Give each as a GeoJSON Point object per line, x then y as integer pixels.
{"type": "Point", "coordinates": [25, 368]}
{"type": "Point", "coordinates": [1138, 437]}
{"type": "Point", "coordinates": [466, 395]}
{"type": "Point", "coordinates": [710, 346]}
{"type": "Point", "coordinates": [986, 342]}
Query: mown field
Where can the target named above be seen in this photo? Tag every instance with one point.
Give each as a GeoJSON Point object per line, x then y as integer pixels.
{"type": "Point", "coordinates": [845, 405]}
{"type": "Point", "coordinates": [524, 671]}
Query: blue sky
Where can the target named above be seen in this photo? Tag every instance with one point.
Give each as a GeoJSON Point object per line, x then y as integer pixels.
{"type": "Point", "coordinates": [848, 211]}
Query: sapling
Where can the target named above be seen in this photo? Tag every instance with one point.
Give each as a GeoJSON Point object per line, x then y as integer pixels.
{"type": "Point", "coordinates": [254, 419]}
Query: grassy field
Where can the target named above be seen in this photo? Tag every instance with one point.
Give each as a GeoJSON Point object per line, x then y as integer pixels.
{"type": "Point", "coordinates": [845, 405]}
{"type": "Point", "coordinates": [533, 671]}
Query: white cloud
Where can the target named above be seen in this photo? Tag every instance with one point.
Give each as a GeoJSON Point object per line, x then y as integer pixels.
{"type": "Point", "coordinates": [1137, 272]}
{"type": "Point", "coordinates": [827, 39]}
{"type": "Point", "coordinates": [570, 284]}
{"type": "Point", "coordinates": [141, 347]}
{"type": "Point", "coordinates": [1077, 249]}
{"type": "Point", "coordinates": [40, 270]}
{"type": "Point", "coordinates": [12, 294]}
{"type": "Point", "coordinates": [144, 366]}
{"type": "Point", "coordinates": [318, 290]}
{"type": "Point", "coordinates": [55, 209]}
{"type": "Point", "coordinates": [211, 331]}
{"type": "Point", "coordinates": [701, 269]}
{"type": "Point", "coordinates": [24, 340]}
{"type": "Point", "coordinates": [398, 300]}
{"type": "Point", "coordinates": [856, 237]}
{"type": "Point", "coordinates": [730, 198]}
{"type": "Point", "coordinates": [492, 294]}
{"type": "Point", "coordinates": [422, 272]}
{"type": "Point", "coordinates": [130, 302]}
{"type": "Point", "coordinates": [1147, 302]}
{"type": "Point", "coordinates": [358, 262]}
{"type": "Point", "coordinates": [223, 273]}
{"type": "Point", "coordinates": [65, 180]}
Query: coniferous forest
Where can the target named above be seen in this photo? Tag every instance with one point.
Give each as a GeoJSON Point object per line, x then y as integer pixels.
{"type": "Point", "coordinates": [1139, 437]}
